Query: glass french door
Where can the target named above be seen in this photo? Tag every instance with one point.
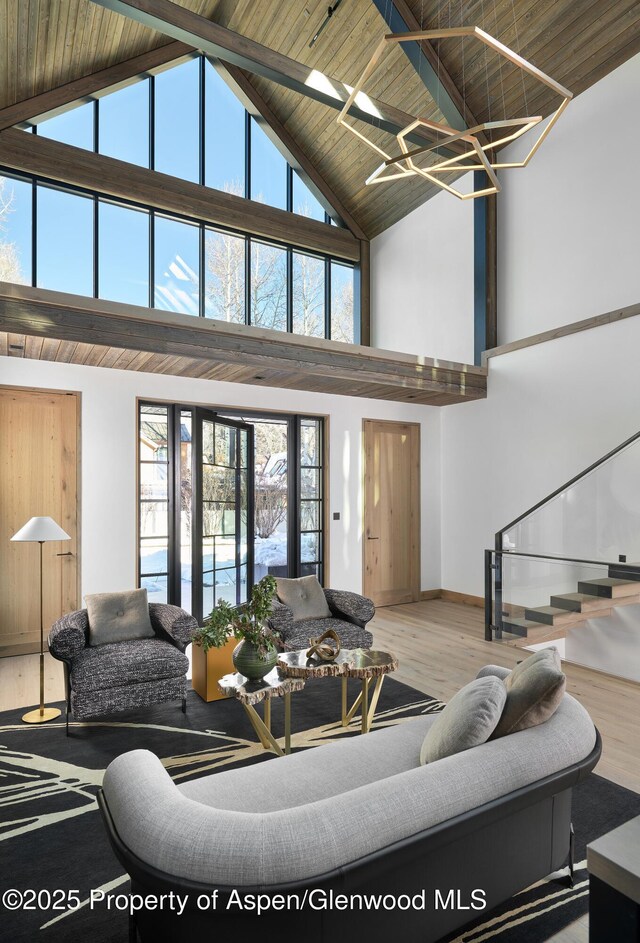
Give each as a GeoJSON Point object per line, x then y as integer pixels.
{"type": "Point", "coordinates": [223, 511]}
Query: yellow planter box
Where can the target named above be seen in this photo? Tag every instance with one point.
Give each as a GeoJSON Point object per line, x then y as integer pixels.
{"type": "Point", "coordinates": [207, 669]}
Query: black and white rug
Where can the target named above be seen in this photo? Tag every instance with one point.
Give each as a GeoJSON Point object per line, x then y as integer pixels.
{"type": "Point", "coordinates": [52, 836]}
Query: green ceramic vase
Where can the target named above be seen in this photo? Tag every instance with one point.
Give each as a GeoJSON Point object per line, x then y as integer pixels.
{"type": "Point", "coordinates": [250, 663]}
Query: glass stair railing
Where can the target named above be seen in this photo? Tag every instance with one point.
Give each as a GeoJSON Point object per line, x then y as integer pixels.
{"type": "Point", "coordinates": [567, 571]}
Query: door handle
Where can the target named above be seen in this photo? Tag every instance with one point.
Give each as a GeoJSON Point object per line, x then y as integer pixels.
{"type": "Point", "coordinates": [67, 554]}
{"type": "Point", "coordinates": [373, 538]}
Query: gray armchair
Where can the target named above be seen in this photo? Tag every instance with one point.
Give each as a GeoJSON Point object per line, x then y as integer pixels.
{"type": "Point", "coordinates": [117, 676]}
{"type": "Point", "coordinates": [350, 613]}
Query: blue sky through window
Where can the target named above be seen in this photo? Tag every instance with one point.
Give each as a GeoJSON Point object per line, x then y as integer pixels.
{"type": "Point", "coordinates": [15, 231]}
{"type": "Point", "coordinates": [65, 241]}
{"type": "Point", "coordinates": [177, 121]}
{"type": "Point", "coordinates": [224, 135]}
{"type": "Point", "coordinates": [268, 170]}
{"type": "Point", "coordinates": [342, 311]}
{"type": "Point", "coordinates": [123, 127]}
{"type": "Point", "coordinates": [177, 266]}
{"type": "Point", "coordinates": [124, 131]}
{"type": "Point", "coordinates": [304, 202]}
{"type": "Point", "coordinates": [74, 127]}
{"type": "Point", "coordinates": [123, 257]}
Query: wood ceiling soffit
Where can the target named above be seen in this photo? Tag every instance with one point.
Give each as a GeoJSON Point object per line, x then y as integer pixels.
{"type": "Point", "coordinates": [37, 312]}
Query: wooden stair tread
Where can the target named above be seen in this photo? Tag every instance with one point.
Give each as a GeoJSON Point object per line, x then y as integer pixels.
{"type": "Point", "coordinates": [519, 626]}
{"type": "Point", "coordinates": [580, 602]}
{"type": "Point", "coordinates": [552, 615]}
{"type": "Point", "coordinates": [608, 586]}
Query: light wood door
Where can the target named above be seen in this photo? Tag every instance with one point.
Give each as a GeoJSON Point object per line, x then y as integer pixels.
{"type": "Point", "coordinates": [38, 477]}
{"type": "Point", "coordinates": [391, 512]}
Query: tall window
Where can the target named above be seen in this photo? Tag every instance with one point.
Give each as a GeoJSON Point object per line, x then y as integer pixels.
{"type": "Point", "coordinates": [203, 496]}
{"type": "Point", "coordinates": [200, 132]}
{"type": "Point", "coordinates": [15, 231]}
{"type": "Point", "coordinates": [343, 322]}
{"type": "Point", "coordinates": [177, 121]}
{"type": "Point", "coordinates": [176, 266]}
{"type": "Point", "coordinates": [124, 124]}
{"type": "Point", "coordinates": [268, 286]}
{"type": "Point", "coordinates": [153, 505]}
{"type": "Point", "coordinates": [196, 270]}
{"type": "Point", "coordinates": [268, 170]}
{"type": "Point", "coordinates": [74, 127]}
{"type": "Point", "coordinates": [308, 295]}
{"type": "Point", "coordinates": [123, 256]}
{"type": "Point", "coordinates": [225, 130]}
{"type": "Point", "coordinates": [65, 241]}
{"type": "Point", "coordinates": [311, 502]}
{"type": "Point", "coordinates": [225, 262]}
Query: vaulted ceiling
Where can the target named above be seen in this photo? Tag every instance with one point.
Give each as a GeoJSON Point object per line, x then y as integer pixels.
{"type": "Point", "coordinates": [51, 42]}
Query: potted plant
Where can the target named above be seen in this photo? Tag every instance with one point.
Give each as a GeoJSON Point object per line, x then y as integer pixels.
{"type": "Point", "coordinates": [255, 653]}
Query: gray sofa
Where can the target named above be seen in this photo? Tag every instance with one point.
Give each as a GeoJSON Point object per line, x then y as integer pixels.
{"type": "Point", "coordinates": [118, 676]}
{"type": "Point", "coordinates": [357, 816]}
{"type": "Point", "coordinates": [350, 613]}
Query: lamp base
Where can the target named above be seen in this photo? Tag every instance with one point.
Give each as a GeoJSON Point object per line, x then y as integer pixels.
{"type": "Point", "coordinates": [40, 717]}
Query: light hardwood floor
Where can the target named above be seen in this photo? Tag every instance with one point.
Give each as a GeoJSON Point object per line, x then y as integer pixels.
{"type": "Point", "coordinates": [440, 646]}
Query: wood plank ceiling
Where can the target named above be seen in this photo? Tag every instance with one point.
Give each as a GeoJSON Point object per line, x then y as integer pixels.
{"type": "Point", "coordinates": [50, 42]}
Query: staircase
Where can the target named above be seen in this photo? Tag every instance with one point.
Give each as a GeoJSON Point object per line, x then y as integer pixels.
{"type": "Point", "coordinates": [574, 545]}
{"type": "Point", "coordinates": [594, 599]}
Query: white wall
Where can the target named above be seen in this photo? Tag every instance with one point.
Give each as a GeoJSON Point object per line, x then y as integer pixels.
{"type": "Point", "coordinates": [109, 454]}
{"type": "Point", "coordinates": [422, 279]}
{"type": "Point", "coordinates": [568, 243]}
{"type": "Point", "coordinates": [551, 410]}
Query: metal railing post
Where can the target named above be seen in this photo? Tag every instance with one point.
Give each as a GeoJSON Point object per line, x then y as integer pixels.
{"type": "Point", "coordinates": [488, 597]}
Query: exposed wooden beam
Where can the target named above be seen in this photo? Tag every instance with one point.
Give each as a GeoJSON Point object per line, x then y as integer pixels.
{"type": "Point", "coordinates": [65, 164]}
{"type": "Point", "coordinates": [241, 85]}
{"type": "Point", "coordinates": [56, 99]}
{"type": "Point", "coordinates": [181, 24]}
{"type": "Point", "coordinates": [36, 312]}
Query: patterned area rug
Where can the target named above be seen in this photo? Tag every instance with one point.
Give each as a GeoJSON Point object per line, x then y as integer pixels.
{"type": "Point", "coordinates": [52, 836]}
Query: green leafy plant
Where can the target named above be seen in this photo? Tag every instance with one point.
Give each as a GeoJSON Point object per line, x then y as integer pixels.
{"type": "Point", "coordinates": [245, 622]}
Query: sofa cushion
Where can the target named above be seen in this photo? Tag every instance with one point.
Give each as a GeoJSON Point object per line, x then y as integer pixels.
{"type": "Point", "coordinates": [468, 720]}
{"type": "Point", "coordinates": [350, 635]}
{"type": "Point", "coordinates": [121, 663]}
{"type": "Point", "coordinates": [118, 617]}
{"type": "Point", "coordinates": [304, 597]}
{"type": "Point", "coordinates": [534, 690]}
{"type": "Point", "coordinates": [354, 762]}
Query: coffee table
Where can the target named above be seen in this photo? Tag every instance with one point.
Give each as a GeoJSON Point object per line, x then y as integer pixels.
{"type": "Point", "coordinates": [361, 663]}
{"type": "Point", "coordinates": [249, 693]}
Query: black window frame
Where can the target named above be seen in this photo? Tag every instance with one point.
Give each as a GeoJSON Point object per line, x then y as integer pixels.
{"type": "Point", "coordinates": [96, 198]}
{"type": "Point", "coordinates": [294, 421]}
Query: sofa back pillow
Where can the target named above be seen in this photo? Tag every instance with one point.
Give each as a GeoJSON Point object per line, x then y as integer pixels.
{"type": "Point", "coordinates": [304, 597]}
{"type": "Point", "coordinates": [118, 617]}
{"type": "Point", "coordinates": [468, 720]}
{"type": "Point", "coordinates": [534, 688]}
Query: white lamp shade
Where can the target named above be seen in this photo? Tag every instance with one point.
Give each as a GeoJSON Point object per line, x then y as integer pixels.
{"type": "Point", "coordinates": [41, 529]}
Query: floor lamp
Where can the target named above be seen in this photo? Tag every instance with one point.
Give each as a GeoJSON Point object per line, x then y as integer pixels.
{"type": "Point", "coordinates": [41, 530]}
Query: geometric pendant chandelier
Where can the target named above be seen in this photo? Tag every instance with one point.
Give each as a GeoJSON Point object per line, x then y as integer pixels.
{"type": "Point", "coordinates": [471, 153]}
